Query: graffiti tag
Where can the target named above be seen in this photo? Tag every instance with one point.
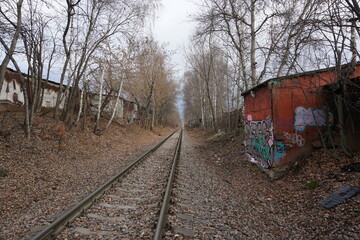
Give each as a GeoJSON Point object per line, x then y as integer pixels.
{"type": "Point", "coordinates": [279, 150]}
{"type": "Point", "coordinates": [262, 147]}
{"type": "Point", "coordinates": [309, 117]}
{"type": "Point", "coordinates": [294, 139]}
{"type": "Point", "coordinates": [259, 141]}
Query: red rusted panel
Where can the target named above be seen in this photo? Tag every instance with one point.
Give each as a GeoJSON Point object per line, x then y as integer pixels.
{"type": "Point", "coordinates": [285, 116]}
{"type": "Point", "coordinates": [258, 126]}
{"type": "Point", "coordinates": [299, 115]}
{"type": "Point", "coordinates": [257, 106]}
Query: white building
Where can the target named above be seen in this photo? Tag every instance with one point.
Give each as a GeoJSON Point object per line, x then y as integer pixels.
{"type": "Point", "coordinates": [94, 103]}
{"type": "Point", "coordinates": [11, 92]}
{"type": "Point", "coordinates": [11, 95]}
{"type": "Point", "coordinates": [126, 109]}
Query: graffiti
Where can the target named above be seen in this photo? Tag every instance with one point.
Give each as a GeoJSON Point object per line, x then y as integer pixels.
{"type": "Point", "coordinates": [294, 139]}
{"type": "Point", "coordinates": [309, 117]}
{"type": "Point", "coordinates": [259, 141]}
{"type": "Point", "coordinates": [262, 147]}
{"type": "Point", "coordinates": [279, 150]}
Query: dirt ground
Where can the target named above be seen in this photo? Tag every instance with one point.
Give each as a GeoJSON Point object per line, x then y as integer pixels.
{"type": "Point", "coordinates": [286, 208]}
{"type": "Point", "coordinates": [42, 178]}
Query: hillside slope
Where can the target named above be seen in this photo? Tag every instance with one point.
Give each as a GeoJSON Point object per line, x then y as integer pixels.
{"type": "Point", "coordinates": [42, 178]}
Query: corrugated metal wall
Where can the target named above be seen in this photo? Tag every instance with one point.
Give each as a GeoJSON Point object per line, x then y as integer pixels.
{"type": "Point", "coordinates": [299, 114]}
{"type": "Point", "coordinates": [284, 117]}
{"type": "Point", "coordinates": [259, 127]}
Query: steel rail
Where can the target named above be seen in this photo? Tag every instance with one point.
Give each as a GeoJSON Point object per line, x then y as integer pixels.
{"type": "Point", "coordinates": [56, 227]}
{"type": "Point", "coordinates": [160, 227]}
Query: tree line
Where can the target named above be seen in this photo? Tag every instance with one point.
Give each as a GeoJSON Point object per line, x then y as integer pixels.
{"type": "Point", "coordinates": [240, 43]}
{"type": "Point", "coordinates": [98, 47]}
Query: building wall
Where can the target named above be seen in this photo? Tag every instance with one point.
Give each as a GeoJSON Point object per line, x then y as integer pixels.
{"type": "Point", "coordinates": [353, 123]}
{"type": "Point", "coordinates": [119, 110]}
{"type": "Point", "coordinates": [258, 123]}
{"type": "Point", "coordinates": [110, 106]}
{"type": "Point", "coordinates": [131, 111]}
{"type": "Point", "coordinates": [49, 99]}
{"type": "Point", "coordinates": [126, 109]}
{"type": "Point", "coordinates": [11, 91]}
{"type": "Point", "coordinates": [299, 114]}
{"type": "Point", "coordinates": [12, 98]}
{"type": "Point", "coordinates": [284, 117]}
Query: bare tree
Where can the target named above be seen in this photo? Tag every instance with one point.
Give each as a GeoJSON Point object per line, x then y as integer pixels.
{"type": "Point", "coordinates": [150, 83]}
{"type": "Point", "coordinates": [10, 23]}
{"type": "Point", "coordinates": [235, 22]}
{"type": "Point", "coordinates": [67, 45]}
{"type": "Point", "coordinates": [339, 35]}
{"type": "Point", "coordinates": [24, 89]}
{"type": "Point", "coordinates": [117, 64]}
{"type": "Point", "coordinates": [35, 39]}
{"type": "Point", "coordinates": [292, 29]}
{"type": "Point", "coordinates": [9, 55]}
{"type": "Point", "coordinates": [101, 21]}
{"type": "Point", "coordinates": [354, 6]}
{"type": "Point", "coordinates": [209, 69]}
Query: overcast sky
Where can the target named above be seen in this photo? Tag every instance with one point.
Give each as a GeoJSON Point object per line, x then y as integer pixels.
{"type": "Point", "coordinates": [173, 27]}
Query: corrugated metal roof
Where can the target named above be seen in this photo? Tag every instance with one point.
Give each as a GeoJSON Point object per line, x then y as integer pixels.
{"type": "Point", "coordinates": [312, 72]}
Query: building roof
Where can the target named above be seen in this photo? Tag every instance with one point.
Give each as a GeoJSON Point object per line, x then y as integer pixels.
{"type": "Point", "coordinates": [309, 73]}
{"type": "Point", "coordinates": [26, 75]}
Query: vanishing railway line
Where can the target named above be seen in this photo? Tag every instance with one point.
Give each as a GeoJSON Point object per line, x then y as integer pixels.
{"type": "Point", "coordinates": [132, 205]}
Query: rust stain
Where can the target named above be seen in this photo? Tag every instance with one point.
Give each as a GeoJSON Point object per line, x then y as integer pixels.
{"type": "Point", "coordinates": [298, 114]}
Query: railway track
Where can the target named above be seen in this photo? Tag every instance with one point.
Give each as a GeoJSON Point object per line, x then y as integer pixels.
{"type": "Point", "coordinates": [132, 205]}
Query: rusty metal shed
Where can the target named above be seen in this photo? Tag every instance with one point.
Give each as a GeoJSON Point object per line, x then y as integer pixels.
{"type": "Point", "coordinates": [284, 116]}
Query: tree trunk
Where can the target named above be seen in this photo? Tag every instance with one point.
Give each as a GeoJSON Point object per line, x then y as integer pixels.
{"type": "Point", "coordinates": [67, 49]}
{"type": "Point", "coordinates": [253, 45]}
{"type": "Point", "coordinates": [237, 118]}
{"type": "Point", "coordinates": [211, 105]}
{"type": "Point", "coordinates": [11, 49]}
{"type": "Point", "coordinates": [85, 108]}
{"type": "Point", "coordinates": [153, 114]}
{"type": "Point", "coordinates": [115, 107]}
{"type": "Point", "coordinates": [81, 106]}
{"type": "Point", "coordinates": [340, 110]}
{"type": "Point", "coordinates": [96, 129]}
{"type": "Point", "coordinates": [26, 98]}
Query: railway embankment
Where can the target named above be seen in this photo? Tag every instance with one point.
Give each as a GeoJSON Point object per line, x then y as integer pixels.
{"type": "Point", "coordinates": [218, 193]}
{"type": "Point", "coordinates": [42, 178]}
{"type": "Point", "coordinates": [251, 206]}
